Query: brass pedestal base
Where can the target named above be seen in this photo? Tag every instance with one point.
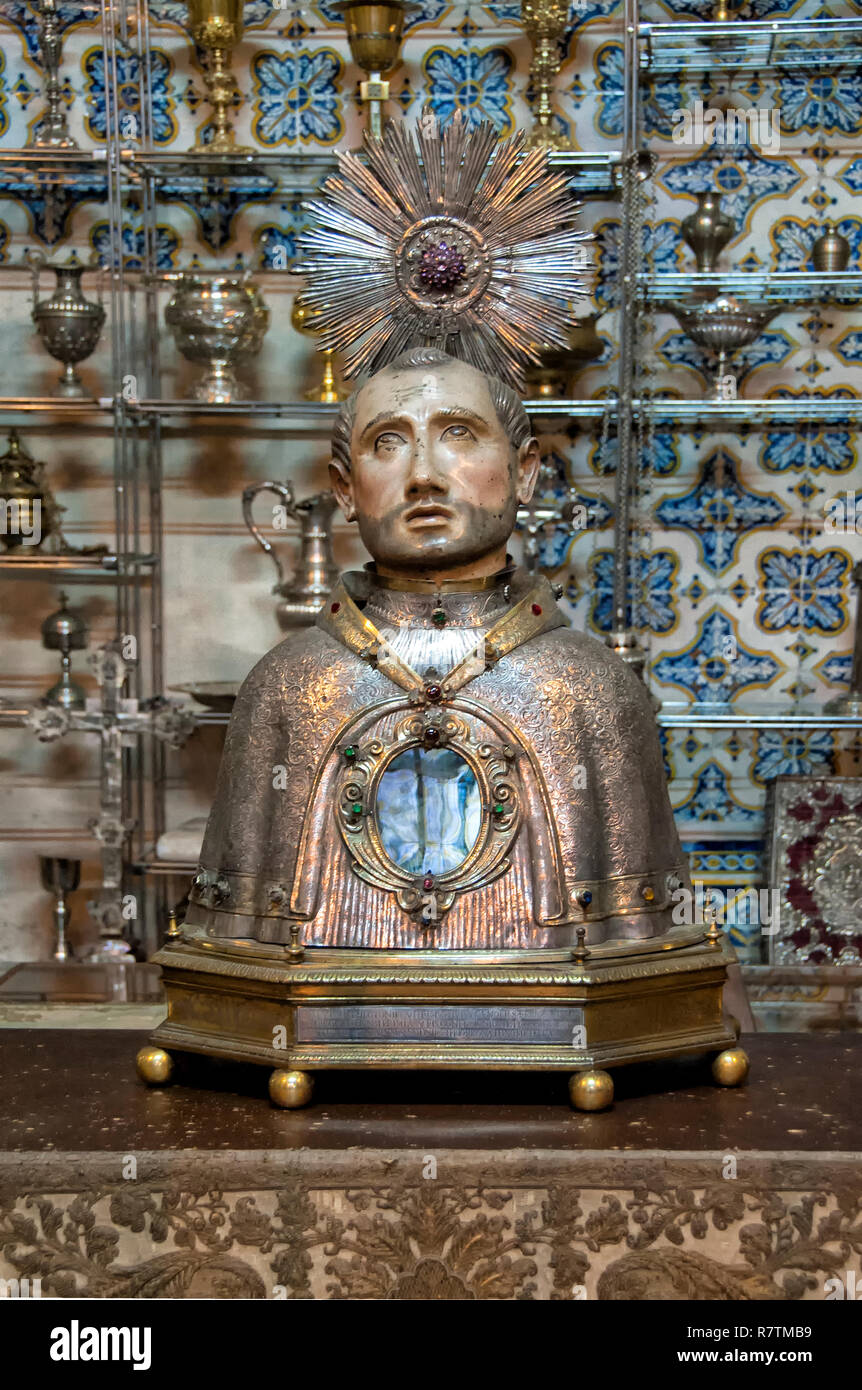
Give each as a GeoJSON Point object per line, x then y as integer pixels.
{"type": "Point", "coordinates": [515, 1010]}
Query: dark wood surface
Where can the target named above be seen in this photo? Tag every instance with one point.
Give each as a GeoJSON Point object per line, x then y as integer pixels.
{"type": "Point", "coordinates": [77, 1090]}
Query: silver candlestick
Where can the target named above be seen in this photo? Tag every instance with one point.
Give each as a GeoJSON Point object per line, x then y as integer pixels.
{"type": "Point", "coordinates": [65, 631]}
{"type": "Point", "coordinates": [850, 704]}
{"type": "Point", "coordinates": [53, 129]}
{"type": "Point", "coordinates": [60, 876]}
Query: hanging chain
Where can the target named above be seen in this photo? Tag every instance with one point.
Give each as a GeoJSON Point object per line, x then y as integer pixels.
{"type": "Point", "coordinates": [640, 253]}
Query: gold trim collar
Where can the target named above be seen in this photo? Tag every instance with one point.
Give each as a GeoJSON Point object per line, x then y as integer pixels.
{"type": "Point", "coordinates": [534, 613]}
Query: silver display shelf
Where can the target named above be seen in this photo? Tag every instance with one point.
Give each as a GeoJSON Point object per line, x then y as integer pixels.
{"type": "Point", "coordinates": [694, 716]}
{"type": "Point", "coordinates": [47, 158]}
{"type": "Point", "coordinates": [591, 171]}
{"type": "Point", "coordinates": [770, 410]}
{"type": "Point", "coordinates": [576, 409]}
{"type": "Point", "coordinates": [773, 411]}
{"type": "Point", "coordinates": [162, 868]}
{"type": "Point", "coordinates": [74, 569]}
{"type": "Point", "coordinates": [320, 411]}
{"type": "Point", "coordinates": [816, 44]}
{"type": "Point", "coordinates": [786, 286]}
{"type": "Point", "coordinates": [189, 171]}
{"type": "Point", "coordinates": [56, 405]}
{"type": "Point", "coordinates": [303, 411]}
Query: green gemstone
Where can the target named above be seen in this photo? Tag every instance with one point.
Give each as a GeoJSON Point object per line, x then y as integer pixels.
{"type": "Point", "coordinates": [350, 752]}
{"type": "Point", "coordinates": [499, 809]}
{"type": "Point", "coordinates": [357, 808]}
{"type": "Point", "coordinates": [438, 617]}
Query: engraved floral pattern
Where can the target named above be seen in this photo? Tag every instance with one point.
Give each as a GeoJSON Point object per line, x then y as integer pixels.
{"type": "Point", "coordinates": [674, 1231]}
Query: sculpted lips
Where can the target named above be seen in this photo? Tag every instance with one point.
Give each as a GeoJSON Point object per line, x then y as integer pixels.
{"type": "Point", "coordinates": [426, 514]}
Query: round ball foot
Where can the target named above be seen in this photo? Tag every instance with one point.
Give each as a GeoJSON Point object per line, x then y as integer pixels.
{"type": "Point", "coordinates": [155, 1066]}
{"type": "Point", "coordinates": [730, 1068]}
{"type": "Point", "coordinates": [591, 1090]}
{"type": "Point", "coordinates": [290, 1089]}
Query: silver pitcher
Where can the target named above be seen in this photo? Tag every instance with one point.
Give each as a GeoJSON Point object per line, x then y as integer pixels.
{"type": "Point", "coordinates": [218, 320]}
{"type": "Point", "coordinates": [68, 324]}
{"type": "Point", "coordinates": [316, 572]}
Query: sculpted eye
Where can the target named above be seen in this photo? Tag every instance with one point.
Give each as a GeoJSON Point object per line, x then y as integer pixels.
{"type": "Point", "coordinates": [458, 432]}
{"type": "Point", "coordinates": [389, 440]}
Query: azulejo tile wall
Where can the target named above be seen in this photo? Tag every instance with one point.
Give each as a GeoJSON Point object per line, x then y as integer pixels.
{"type": "Point", "coordinates": [740, 592]}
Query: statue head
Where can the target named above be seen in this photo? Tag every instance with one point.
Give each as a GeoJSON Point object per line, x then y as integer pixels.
{"type": "Point", "coordinates": [432, 458]}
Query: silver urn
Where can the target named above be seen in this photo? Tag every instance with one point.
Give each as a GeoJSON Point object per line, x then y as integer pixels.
{"type": "Point", "coordinates": [707, 230]}
{"type": "Point", "coordinates": [68, 324]}
{"type": "Point", "coordinates": [218, 321]}
{"type": "Point", "coordinates": [831, 250]}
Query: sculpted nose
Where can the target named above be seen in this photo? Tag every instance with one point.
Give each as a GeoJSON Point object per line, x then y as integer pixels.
{"type": "Point", "coordinates": [424, 476]}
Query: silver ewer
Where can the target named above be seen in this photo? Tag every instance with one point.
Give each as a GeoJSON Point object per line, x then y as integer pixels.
{"type": "Point", "coordinates": [68, 324]}
{"type": "Point", "coordinates": [218, 321]}
{"type": "Point", "coordinates": [316, 571]}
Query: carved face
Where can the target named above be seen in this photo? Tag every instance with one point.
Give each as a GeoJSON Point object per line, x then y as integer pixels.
{"type": "Point", "coordinates": [434, 481]}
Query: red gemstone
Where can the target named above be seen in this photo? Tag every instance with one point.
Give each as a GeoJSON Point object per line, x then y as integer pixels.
{"type": "Point", "coordinates": [537, 608]}
{"type": "Point", "coordinates": [334, 607]}
{"type": "Point", "coordinates": [428, 883]}
{"type": "Point", "coordinates": [432, 734]}
{"type": "Point", "coordinates": [433, 692]}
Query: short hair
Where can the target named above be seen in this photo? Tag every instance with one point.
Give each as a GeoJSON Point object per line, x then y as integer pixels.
{"type": "Point", "coordinates": [507, 403]}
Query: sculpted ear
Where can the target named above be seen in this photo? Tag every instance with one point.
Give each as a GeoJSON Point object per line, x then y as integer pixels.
{"type": "Point", "coordinates": [529, 460]}
{"type": "Point", "coordinates": [342, 485]}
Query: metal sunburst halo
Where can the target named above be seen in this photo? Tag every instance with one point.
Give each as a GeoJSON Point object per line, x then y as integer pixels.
{"type": "Point", "coordinates": [457, 241]}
